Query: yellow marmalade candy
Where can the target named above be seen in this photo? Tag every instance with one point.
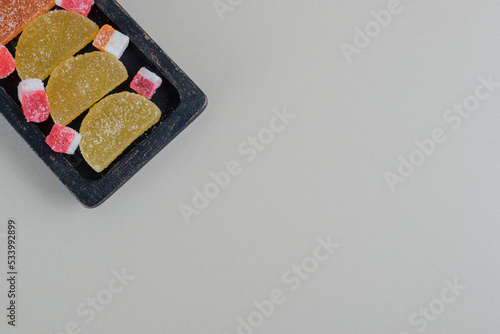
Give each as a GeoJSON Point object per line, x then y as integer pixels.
{"type": "Point", "coordinates": [81, 81]}
{"type": "Point", "coordinates": [112, 125]}
{"type": "Point", "coordinates": [51, 39]}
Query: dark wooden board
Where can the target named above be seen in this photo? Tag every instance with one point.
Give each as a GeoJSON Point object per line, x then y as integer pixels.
{"type": "Point", "coordinates": [179, 99]}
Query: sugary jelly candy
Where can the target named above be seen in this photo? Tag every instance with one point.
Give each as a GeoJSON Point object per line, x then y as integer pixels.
{"type": "Point", "coordinates": [110, 40]}
{"type": "Point", "coordinates": [78, 6]}
{"type": "Point", "coordinates": [51, 39]}
{"type": "Point", "coordinates": [34, 101]}
{"type": "Point", "coordinates": [7, 62]}
{"type": "Point", "coordinates": [63, 139]}
{"type": "Point", "coordinates": [113, 124]}
{"type": "Point", "coordinates": [146, 83]}
{"type": "Point", "coordinates": [15, 15]}
{"type": "Point", "coordinates": [81, 81]}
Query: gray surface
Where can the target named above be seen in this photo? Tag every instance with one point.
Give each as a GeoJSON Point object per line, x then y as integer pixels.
{"type": "Point", "coordinates": [323, 175]}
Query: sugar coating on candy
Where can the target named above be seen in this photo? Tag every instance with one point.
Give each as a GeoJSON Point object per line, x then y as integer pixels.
{"type": "Point", "coordinates": [34, 101]}
{"type": "Point", "coordinates": [80, 82]}
{"type": "Point", "coordinates": [78, 6]}
{"type": "Point", "coordinates": [113, 124]}
{"type": "Point", "coordinates": [29, 85]}
{"type": "Point", "coordinates": [146, 83]}
{"type": "Point", "coordinates": [36, 107]}
{"type": "Point", "coordinates": [15, 15]}
{"type": "Point", "coordinates": [7, 63]}
{"type": "Point", "coordinates": [51, 39]}
{"type": "Point", "coordinates": [103, 37]}
{"type": "Point", "coordinates": [63, 139]}
{"type": "Point", "coordinates": [117, 44]}
{"type": "Point", "coordinates": [110, 40]}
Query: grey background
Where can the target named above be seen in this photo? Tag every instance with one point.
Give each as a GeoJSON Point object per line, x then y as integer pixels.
{"type": "Point", "coordinates": [323, 175]}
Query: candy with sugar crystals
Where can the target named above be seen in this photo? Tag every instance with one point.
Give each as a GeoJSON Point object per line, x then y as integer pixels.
{"type": "Point", "coordinates": [78, 6]}
{"type": "Point", "coordinates": [63, 139]}
{"type": "Point", "coordinates": [80, 82]}
{"type": "Point", "coordinates": [111, 40]}
{"type": "Point", "coordinates": [51, 39]}
{"type": "Point", "coordinates": [146, 83]}
{"type": "Point", "coordinates": [34, 101]}
{"type": "Point", "coordinates": [7, 63]}
{"type": "Point", "coordinates": [15, 15]}
{"type": "Point", "coordinates": [113, 124]}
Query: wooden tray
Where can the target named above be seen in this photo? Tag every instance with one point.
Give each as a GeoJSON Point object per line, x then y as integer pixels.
{"type": "Point", "coordinates": [179, 99]}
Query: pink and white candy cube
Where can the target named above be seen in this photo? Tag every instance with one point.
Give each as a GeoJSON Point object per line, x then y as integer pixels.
{"type": "Point", "coordinates": [63, 139]}
{"type": "Point", "coordinates": [7, 63]}
{"type": "Point", "coordinates": [78, 6]}
{"type": "Point", "coordinates": [34, 101]}
{"type": "Point", "coordinates": [146, 83]}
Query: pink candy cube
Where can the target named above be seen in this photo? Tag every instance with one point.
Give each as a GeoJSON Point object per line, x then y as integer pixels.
{"type": "Point", "coordinates": [7, 63]}
{"type": "Point", "coordinates": [63, 139]}
{"type": "Point", "coordinates": [77, 6]}
{"type": "Point", "coordinates": [34, 100]}
{"type": "Point", "coordinates": [146, 83]}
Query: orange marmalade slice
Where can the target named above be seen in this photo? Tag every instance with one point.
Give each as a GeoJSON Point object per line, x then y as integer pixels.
{"type": "Point", "coordinates": [81, 81]}
{"type": "Point", "coordinates": [15, 15]}
{"type": "Point", "coordinates": [113, 124]}
{"type": "Point", "coordinates": [51, 39]}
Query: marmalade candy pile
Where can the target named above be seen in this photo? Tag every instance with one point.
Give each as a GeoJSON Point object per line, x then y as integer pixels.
{"type": "Point", "coordinates": [46, 49]}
